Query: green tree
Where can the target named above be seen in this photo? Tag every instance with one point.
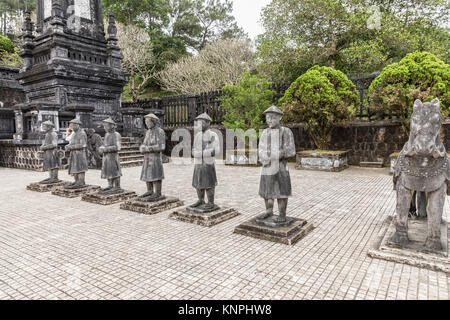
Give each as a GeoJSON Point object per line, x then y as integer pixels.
{"type": "Point", "coordinates": [322, 98]}
{"type": "Point", "coordinates": [245, 102]}
{"type": "Point", "coordinates": [349, 35]}
{"type": "Point", "coordinates": [419, 75]}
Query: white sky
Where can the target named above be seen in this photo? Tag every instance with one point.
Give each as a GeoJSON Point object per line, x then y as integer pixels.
{"type": "Point", "coordinates": [248, 14]}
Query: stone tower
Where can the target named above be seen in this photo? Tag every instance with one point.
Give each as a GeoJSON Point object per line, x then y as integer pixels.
{"type": "Point", "coordinates": [70, 68]}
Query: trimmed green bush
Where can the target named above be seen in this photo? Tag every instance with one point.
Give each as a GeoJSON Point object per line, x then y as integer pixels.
{"type": "Point", "coordinates": [245, 102]}
{"type": "Point", "coordinates": [419, 75]}
{"type": "Point", "coordinates": [322, 98]}
{"type": "Point", "coordinates": [6, 45]}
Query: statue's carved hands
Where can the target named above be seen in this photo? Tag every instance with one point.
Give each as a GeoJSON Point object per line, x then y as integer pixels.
{"type": "Point", "coordinates": [101, 150]}
{"type": "Point", "coordinates": [68, 147]}
{"type": "Point", "coordinates": [144, 149]}
{"type": "Point", "coordinates": [209, 153]}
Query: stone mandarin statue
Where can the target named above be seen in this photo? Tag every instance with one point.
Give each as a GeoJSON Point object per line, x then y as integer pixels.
{"type": "Point", "coordinates": [275, 147]}
{"type": "Point", "coordinates": [111, 161]}
{"type": "Point", "coordinates": [51, 155]}
{"type": "Point", "coordinates": [422, 166]}
{"type": "Point", "coordinates": [204, 179]}
{"type": "Point", "coordinates": [152, 170]}
{"type": "Point", "coordinates": [78, 161]}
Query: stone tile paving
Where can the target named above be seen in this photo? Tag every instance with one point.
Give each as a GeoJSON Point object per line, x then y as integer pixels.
{"type": "Point", "coordinates": [58, 248]}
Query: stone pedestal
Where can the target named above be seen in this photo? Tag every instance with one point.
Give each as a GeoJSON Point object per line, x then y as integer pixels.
{"type": "Point", "coordinates": [151, 207]}
{"type": "Point", "coordinates": [108, 199]}
{"type": "Point", "coordinates": [208, 219]}
{"type": "Point", "coordinates": [46, 187]}
{"type": "Point", "coordinates": [289, 234]}
{"type": "Point", "coordinates": [74, 193]}
{"type": "Point", "coordinates": [333, 161]}
{"type": "Point", "coordinates": [414, 254]}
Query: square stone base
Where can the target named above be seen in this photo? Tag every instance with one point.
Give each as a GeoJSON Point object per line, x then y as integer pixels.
{"type": "Point", "coordinates": [414, 254]}
{"type": "Point", "coordinates": [37, 187]}
{"type": "Point", "coordinates": [74, 193]}
{"type": "Point", "coordinates": [151, 207]}
{"type": "Point", "coordinates": [287, 235]}
{"type": "Point", "coordinates": [331, 161]}
{"type": "Point", "coordinates": [204, 219]}
{"type": "Point", "coordinates": [105, 199]}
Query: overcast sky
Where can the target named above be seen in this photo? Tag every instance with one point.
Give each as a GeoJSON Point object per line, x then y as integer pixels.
{"type": "Point", "coordinates": [248, 13]}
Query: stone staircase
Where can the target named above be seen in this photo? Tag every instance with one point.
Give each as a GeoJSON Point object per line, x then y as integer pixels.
{"type": "Point", "coordinates": [129, 154]}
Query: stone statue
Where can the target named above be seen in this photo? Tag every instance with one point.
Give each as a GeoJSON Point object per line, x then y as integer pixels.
{"type": "Point", "coordinates": [77, 162]}
{"type": "Point", "coordinates": [152, 170]}
{"type": "Point", "coordinates": [51, 154]}
{"type": "Point", "coordinates": [422, 166]}
{"type": "Point", "coordinates": [204, 179]}
{"type": "Point", "coordinates": [93, 147]}
{"type": "Point", "coordinates": [275, 147]}
{"type": "Point", "coordinates": [111, 162]}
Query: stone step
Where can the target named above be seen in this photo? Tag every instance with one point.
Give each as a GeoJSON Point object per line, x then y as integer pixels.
{"type": "Point", "coordinates": [132, 158]}
{"type": "Point", "coordinates": [127, 164]}
{"type": "Point", "coordinates": [367, 164]}
{"type": "Point", "coordinates": [129, 153]}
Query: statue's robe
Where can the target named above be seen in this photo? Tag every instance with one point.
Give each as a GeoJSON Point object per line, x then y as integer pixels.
{"type": "Point", "coordinates": [94, 143]}
{"type": "Point", "coordinates": [50, 148]}
{"type": "Point", "coordinates": [275, 182]}
{"type": "Point", "coordinates": [205, 145]}
{"type": "Point", "coordinates": [152, 169]}
{"type": "Point", "coordinates": [111, 160]}
{"type": "Point", "coordinates": [78, 160]}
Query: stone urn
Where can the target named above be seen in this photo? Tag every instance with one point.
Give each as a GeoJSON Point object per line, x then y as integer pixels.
{"type": "Point", "coordinates": [318, 160]}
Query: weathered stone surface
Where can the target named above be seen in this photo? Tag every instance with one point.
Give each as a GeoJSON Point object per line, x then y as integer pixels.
{"type": "Point", "coordinates": [333, 161]}
{"type": "Point", "coordinates": [74, 193]}
{"type": "Point", "coordinates": [204, 219]}
{"type": "Point", "coordinates": [288, 235]}
{"type": "Point", "coordinates": [151, 207]}
{"type": "Point", "coordinates": [46, 187]}
{"type": "Point", "coordinates": [368, 164]}
{"type": "Point", "coordinates": [414, 253]}
{"type": "Point", "coordinates": [108, 199]}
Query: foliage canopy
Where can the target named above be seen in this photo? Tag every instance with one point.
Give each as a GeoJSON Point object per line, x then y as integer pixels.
{"type": "Point", "coordinates": [322, 98]}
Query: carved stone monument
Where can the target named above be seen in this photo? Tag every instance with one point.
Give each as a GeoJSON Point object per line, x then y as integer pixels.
{"type": "Point", "coordinates": [153, 201]}
{"type": "Point", "coordinates": [70, 68]}
{"type": "Point", "coordinates": [275, 147]}
{"type": "Point", "coordinates": [52, 161]}
{"type": "Point", "coordinates": [422, 167]}
{"type": "Point", "coordinates": [78, 165]}
{"type": "Point", "coordinates": [111, 170]}
{"type": "Point", "coordinates": [206, 144]}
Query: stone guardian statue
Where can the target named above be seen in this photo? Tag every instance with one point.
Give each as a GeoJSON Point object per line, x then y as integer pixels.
{"type": "Point", "coordinates": [52, 161]}
{"type": "Point", "coordinates": [422, 166]}
{"type": "Point", "coordinates": [152, 170]}
{"type": "Point", "coordinates": [204, 179]}
{"type": "Point", "coordinates": [275, 147]}
{"type": "Point", "coordinates": [111, 161]}
{"type": "Point", "coordinates": [78, 164]}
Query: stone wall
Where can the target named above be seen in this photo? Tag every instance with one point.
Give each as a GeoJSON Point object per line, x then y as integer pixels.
{"type": "Point", "coordinates": [26, 155]}
{"type": "Point", "coordinates": [366, 141]}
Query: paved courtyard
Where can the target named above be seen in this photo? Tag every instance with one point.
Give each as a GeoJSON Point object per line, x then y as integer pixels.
{"type": "Point", "coordinates": [58, 248]}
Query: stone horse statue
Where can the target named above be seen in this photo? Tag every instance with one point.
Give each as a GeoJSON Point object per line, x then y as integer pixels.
{"type": "Point", "coordinates": [423, 167]}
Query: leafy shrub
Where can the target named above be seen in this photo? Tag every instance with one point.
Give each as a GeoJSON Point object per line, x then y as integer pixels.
{"type": "Point", "coordinates": [6, 45]}
{"type": "Point", "coordinates": [245, 102]}
{"type": "Point", "coordinates": [419, 75]}
{"type": "Point", "coordinates": [322, 98]}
